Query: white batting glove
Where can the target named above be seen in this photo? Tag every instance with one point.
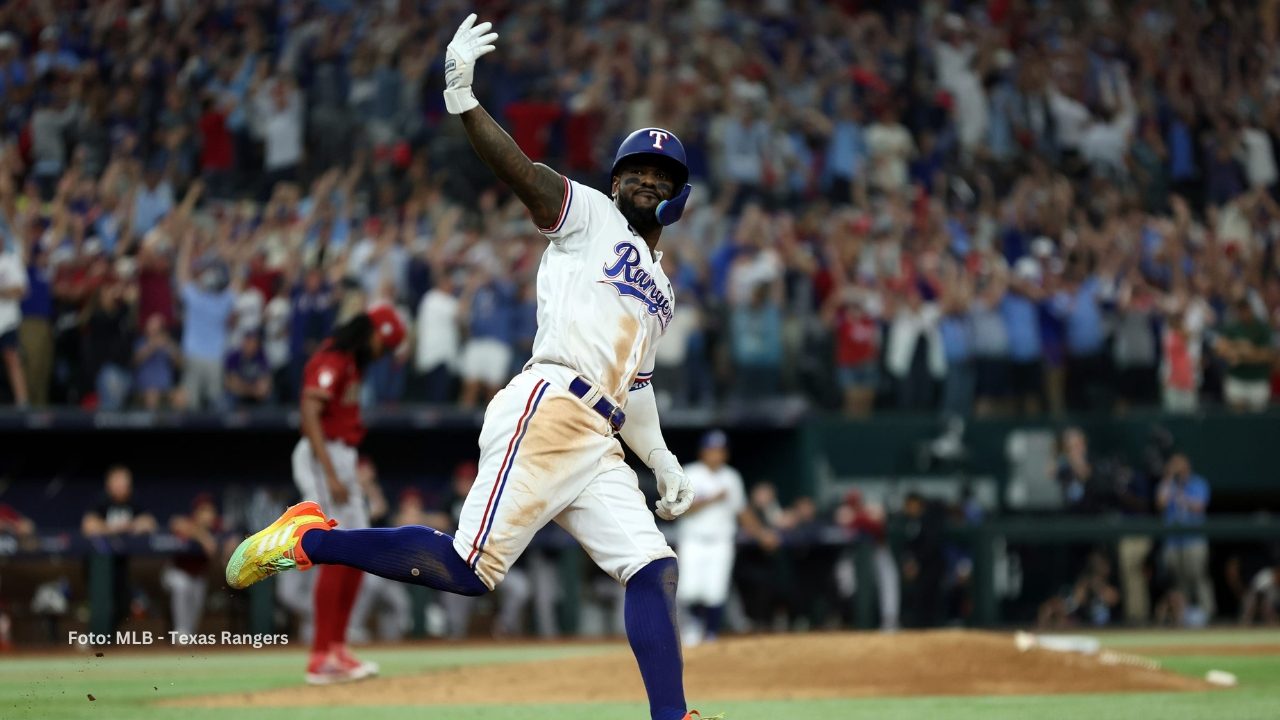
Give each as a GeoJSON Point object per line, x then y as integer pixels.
{"type": "Point", "coordinates": [673, 486]}
{"type": "Point", "coordinates": [468, 45]}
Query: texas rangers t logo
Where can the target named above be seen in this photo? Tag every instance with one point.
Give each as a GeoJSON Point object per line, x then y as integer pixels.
{"type": "Point", "coordinates": [658, 138]}
{"type": "Point", "coordinates": [636, 282]}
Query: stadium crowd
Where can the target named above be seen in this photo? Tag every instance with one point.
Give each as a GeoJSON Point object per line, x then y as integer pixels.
{"type": "Point", "coordinates": [979, 207]}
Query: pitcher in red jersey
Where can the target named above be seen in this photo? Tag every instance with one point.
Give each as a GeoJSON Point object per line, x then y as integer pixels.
{"type": "Point", "coordinates": [324, 469]}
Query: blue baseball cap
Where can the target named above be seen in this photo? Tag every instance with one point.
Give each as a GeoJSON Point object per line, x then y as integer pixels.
{"type": "Point", "coordinates": [715, 439]}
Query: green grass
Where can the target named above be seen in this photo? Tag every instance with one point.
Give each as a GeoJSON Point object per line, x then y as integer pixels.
{"type": "Point", "coordinates": [126, 685]}
{"type": "Point", "coordinates": [1183, 638]}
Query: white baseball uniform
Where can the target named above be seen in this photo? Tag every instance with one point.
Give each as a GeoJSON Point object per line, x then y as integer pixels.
{"type": "Point", "coordinates": [707, 536]}
{"type": "Point", "coordinates": [545, 454]}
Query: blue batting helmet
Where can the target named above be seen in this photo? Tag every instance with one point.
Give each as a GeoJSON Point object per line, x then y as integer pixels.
{"type": "Point", "coordinates": [658, 144]}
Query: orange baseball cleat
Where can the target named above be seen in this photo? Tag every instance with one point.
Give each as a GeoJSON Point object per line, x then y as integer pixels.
{"type": "Point", "coordinates": [276, 548]}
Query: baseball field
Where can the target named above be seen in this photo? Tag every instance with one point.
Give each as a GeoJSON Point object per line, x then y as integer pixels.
{"type": "Point", "coordinates": [958, 675]}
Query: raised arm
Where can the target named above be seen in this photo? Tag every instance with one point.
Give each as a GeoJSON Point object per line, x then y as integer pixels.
{"type": "Point", "coordinates": [540, 188]}
{"type": "Point", "coordinates": [188, 205]}
{"type": "Point", "coordinates": [183, 269]}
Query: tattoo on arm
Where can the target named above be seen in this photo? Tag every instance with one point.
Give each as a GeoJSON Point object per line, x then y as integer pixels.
{"type": "Point", "coordinates": [540, 188]}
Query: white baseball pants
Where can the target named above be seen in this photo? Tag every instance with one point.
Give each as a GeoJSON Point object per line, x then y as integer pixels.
{"type": "Point", "coordinates": [544, 455]}
{"type": "Point", "coordinates": [706, 571]}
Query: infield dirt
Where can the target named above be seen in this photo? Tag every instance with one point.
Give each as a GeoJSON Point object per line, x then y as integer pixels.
{"type": "Point", "coordinates": [775, 667]}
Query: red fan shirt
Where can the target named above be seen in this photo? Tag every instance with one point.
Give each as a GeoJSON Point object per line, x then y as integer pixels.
{"type": "Point", "coordinates": [858, 340]}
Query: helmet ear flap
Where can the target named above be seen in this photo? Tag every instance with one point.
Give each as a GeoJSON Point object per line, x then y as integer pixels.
{"type": "Point", "coordinates": [669, 211]}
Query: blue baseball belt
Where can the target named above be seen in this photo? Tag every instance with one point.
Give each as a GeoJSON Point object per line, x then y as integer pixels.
{"type": "Point", "coordinates": [607, 410]}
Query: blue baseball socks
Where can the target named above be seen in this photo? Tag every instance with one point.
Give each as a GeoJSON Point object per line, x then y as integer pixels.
{"type": "Point", "coordinates": [650, 610]}
{"type": "Point", "coordinates": [413, 554]}
{"type": "Point", "coordinates": [422, 556]}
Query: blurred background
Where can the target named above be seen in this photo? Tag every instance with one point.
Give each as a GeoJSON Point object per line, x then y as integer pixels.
{"type": "Point", "coordinates": [986, 296]}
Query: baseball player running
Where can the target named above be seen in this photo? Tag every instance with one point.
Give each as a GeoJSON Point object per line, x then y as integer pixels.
{"type": "Point", "coordinates": [325, 470]}
{"type": "Point", "coordinates": [549, 447]}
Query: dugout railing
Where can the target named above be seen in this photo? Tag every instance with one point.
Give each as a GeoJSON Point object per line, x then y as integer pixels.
{"type": "Point", "coordinates": [984, 541]}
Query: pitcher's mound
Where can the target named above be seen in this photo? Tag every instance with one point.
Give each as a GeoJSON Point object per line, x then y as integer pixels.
{"type": "Point", "coordinates": [771, 667]}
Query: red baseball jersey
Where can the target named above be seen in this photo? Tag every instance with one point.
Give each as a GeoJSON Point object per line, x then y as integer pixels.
{"type": "Point", "coordinates": [333, 375]}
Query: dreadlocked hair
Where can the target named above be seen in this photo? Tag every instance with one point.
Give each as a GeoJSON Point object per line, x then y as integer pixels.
{"type": "Point", "coordinates": [354, 337]}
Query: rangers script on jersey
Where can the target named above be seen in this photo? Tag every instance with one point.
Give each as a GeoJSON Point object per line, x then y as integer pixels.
{"type": "Point", "coordinates": [603, 299]}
